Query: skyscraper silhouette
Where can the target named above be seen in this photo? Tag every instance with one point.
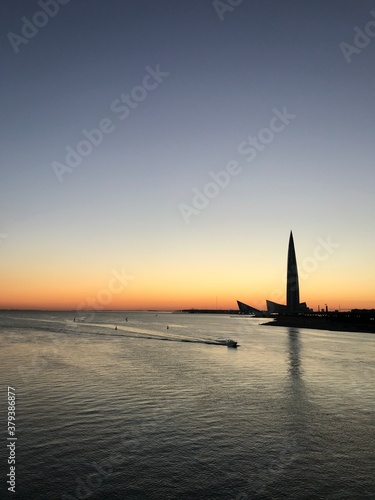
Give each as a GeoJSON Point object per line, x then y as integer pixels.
{"type": "Point", "coordinates": [293, 304]}
{"type": "Point", "coordinates": [292, 285]}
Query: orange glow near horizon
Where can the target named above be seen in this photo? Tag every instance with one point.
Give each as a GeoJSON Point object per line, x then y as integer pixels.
{"type": "Point", "coordinates": [47, 298]}
{"type": "Point", "coordinates": [206, 281]}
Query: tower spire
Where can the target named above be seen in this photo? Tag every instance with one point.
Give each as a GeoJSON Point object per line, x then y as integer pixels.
{"type": "Point", "coordinates": [292, 285]}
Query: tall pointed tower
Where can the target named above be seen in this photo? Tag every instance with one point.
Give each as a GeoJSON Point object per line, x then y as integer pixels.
{"type": "Point", "coordinates": [292, 286]}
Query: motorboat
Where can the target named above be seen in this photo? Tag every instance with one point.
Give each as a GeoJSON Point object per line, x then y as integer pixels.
{"type": "Point", "coordinates": [229, 342]}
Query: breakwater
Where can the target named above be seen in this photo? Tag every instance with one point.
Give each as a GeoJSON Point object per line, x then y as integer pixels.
{"type": "Point", "coordinates": [353, 321]}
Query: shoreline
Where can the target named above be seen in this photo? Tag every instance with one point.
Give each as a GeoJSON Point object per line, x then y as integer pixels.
{"type": "Point", "coordinates": [321, 323]}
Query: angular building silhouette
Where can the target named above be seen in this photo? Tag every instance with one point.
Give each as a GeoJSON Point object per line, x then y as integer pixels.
{"type": "Point", "coordinates": [292, 285]}
{"type": "Point", "coordinates": [293, 305]}
{"type": "Point", "coordinates": [246, 309]}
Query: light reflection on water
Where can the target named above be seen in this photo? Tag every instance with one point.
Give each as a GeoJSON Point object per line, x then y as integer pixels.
{"type": "Point", "coordinates": [288, 414]}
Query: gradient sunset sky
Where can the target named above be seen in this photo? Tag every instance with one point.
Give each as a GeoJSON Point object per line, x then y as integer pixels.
{"type": "Point", "coordinates": [202, 79]}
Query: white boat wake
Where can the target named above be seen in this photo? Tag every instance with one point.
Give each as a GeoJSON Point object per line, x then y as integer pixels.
{"type": "Point", "coordinates": [134, 332]}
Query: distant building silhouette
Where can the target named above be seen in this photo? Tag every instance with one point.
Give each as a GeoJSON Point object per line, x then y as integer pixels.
{"type": "Point", "coordinates": [292, 285]}
{"type": "Point", "coordinates": [246, 309]}
{"type": "Point", "coordinates": [293, 305]}
{"type": "Point", "coordinates": [274, 307]}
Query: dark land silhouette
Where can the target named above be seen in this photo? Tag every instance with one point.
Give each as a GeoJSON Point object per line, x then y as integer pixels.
{"type": "Point", "coordinates": [356, 320]}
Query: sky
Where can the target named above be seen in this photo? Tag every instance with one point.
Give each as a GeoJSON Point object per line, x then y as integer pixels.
{"type": "Point", "coordinates": [156, 154]}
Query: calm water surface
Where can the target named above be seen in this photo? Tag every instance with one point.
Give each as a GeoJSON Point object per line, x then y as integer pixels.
{"type": "Point", "coordinates": [135, 413]}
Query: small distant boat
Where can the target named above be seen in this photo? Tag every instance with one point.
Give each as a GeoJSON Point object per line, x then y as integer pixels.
{"type": "Point", "coordinates": [229, 342]}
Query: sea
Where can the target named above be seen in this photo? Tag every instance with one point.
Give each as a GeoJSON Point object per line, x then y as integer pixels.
{"type": "Point", "coordinates": [147, 405]}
